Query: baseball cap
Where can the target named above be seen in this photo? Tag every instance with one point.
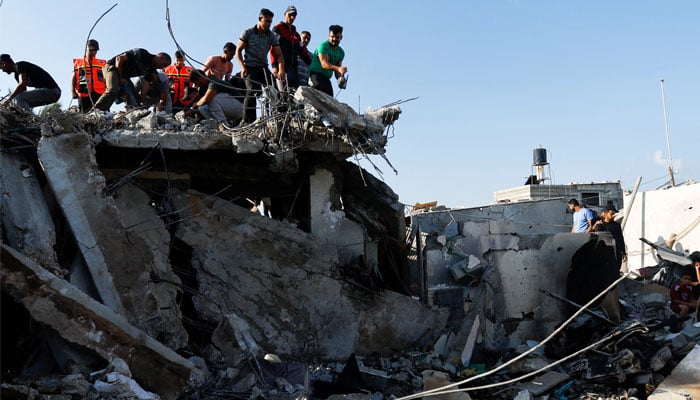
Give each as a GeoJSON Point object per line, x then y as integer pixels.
{"type": "Point", "coordinates": [93, 45]}
{"type": "Point", "coordinates": [290, 9]}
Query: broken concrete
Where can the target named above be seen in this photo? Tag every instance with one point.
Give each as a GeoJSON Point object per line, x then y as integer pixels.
{"type": "Point", "coordinates": [122, 271]}
{"type": "Point", "coordinates": [291, 277]}
{"type": "Point", "coordinates": [85, 322]}
{"type": "Point", "coordinates": [684, 382]}
{"type": "Point", "coordinates": [26, 220]}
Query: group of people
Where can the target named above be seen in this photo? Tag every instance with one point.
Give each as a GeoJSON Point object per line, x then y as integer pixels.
{"type": "Point", "coordinates": [684, 294]}
{"type": "Point", "coordinates": [212, 91]}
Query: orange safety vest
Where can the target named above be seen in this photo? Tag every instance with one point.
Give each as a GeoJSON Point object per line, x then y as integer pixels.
{"type": "Point", "coordinates": [179, 81]}
{"type": "Point", "coordinates": [89, 78]}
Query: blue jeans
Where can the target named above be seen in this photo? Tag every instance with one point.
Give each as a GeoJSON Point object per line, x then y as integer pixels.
{"type": "Point", "coordinates": [37, 97]}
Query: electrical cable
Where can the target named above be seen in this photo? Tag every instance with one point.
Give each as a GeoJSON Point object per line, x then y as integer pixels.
{"type": "Point", "coordinates": [441, 390]}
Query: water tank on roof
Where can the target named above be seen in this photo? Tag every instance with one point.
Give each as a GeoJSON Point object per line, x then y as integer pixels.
{"type": "Point", "coordinates": [539, 157]}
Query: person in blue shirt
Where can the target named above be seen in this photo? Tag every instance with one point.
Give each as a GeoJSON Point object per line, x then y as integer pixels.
{"type": "Point", "coordinates": [583, 217]}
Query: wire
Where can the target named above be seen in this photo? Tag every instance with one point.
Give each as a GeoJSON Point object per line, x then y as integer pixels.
{"type": "Point", "coordinates": [521, 356]}
{"type": "Point", "coordinates": [85, 48]}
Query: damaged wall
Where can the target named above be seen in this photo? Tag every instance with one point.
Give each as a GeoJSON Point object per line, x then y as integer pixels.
{"type": "Point", "coordinates": [287, 285]}
{"type": "Point", "coordinates": [522, 250]}
{"type": "Point", "coordinates": [671, 214]}
{"type": "Point", "coordinates": [121, 263]}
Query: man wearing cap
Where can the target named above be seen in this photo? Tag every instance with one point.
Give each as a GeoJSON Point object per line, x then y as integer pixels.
{"type": "Point", "coordinates": [607, 223]}
{"type": "Point", "coordinates": [328, 60]}
{"type": "Point", "coordinates": [257, 42]}
{"type": "Point", "coordinates": [290, 45]}
{"type": "Point", "coordinates": [129, 64]}
{"type": "Point", "coordinates": [88, 81]}
{"type": "Point", "coordinates": [30, 75]}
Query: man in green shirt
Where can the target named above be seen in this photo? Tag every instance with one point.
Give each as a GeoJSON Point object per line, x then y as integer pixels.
{"type": "Point", "coordinates": [327, 61]}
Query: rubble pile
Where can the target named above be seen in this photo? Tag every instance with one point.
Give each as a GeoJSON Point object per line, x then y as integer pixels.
{"type": "Point", "coordinates": [157, 257]}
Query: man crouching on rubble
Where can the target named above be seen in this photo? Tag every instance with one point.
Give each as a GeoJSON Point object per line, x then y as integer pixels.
{"type": "Point", "coordinates": [217, 101]}
{"type": "Point", "coordinates": [129, 64]}
{"type": "Point", "coordinates": [30, 75]}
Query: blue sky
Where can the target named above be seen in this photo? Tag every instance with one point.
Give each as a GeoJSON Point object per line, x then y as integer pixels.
{"type": "Point", "coordinates": [495, 78]}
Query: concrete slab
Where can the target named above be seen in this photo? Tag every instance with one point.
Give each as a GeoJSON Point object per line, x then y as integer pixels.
{"type": "Point", "coordinates": [85, 322]}
{"type": "Point", "coordinates": [684, 381]}
{"type": "Point", "coordinates": [26, 220]}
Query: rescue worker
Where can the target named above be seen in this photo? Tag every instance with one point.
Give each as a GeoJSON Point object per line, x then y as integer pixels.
{"type": "Point", "coordinates": [88, 82]}
{"type": "Point", "coordinates": [179, 77]}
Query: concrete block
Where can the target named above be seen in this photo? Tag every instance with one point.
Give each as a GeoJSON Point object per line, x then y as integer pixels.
{"type": "Point", "coordinates": [679, 342]}
{"type": "Point", "coordinates": [499, 242]}
{"type": "Point", "coordinates": [474, 229]}
{"type": "Point", "coordinates": [91, 325]}
{"type": "Point", "coordinates": [524, 395]}
{"type": "Point", "coordinates": [436, 267]}
{"type": "Point", "coordinates": [683, 383]}
{"type": "Point", "coordinates": [660, 359]}
{"type": "Point", "coordinates": [653, 300]}
{"type": "Point", "coordinates": [148, 122]}
{"type": "Point", "coordinates": [502, 227]}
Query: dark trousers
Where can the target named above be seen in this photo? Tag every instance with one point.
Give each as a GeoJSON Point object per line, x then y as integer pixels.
{"type": "Point", "coordinates": [256, 78]}
{"type": "Point", "coordinates": [320, 82]}
{"type": "Point", "coordinates": [86, 103]}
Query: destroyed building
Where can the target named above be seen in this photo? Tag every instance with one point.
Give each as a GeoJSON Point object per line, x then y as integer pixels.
{"type": "Point", "coordinates": [167, 258]}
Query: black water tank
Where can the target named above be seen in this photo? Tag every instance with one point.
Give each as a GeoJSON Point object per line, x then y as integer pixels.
{"type": "Point", "coordinates": [539, 156]}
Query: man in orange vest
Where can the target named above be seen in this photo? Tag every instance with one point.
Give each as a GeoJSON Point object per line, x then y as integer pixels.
{"type": "Point", "coordinates": [88, 82]}
{"type": "Point", "coordinates": [179, 77]}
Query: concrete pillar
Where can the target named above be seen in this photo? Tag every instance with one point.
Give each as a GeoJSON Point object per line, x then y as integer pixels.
{"type": "Point", "coordinates": [329, 223]}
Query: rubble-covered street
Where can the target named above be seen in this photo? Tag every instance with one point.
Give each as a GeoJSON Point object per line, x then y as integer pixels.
{"type": "Point", "coordinates": [151, 256]}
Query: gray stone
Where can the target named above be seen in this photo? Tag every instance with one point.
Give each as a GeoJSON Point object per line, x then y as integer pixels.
{"type": "Point", "coordinates": [83, 321]}
{"type": "Point", "coordinates": [232, 337]}
{"type": "Point", "coordinates": [659, 360]}
{"type": "Point", "coordinates": [148, 122]}
{"type": "Point", "coordinates": [523, 395]}
{"type": "Point", "coordinates": [26, 221]}
{"type": "Point", "coordinates": [287, 276]}
{"type": "Point", "coordinates": [246, 143]}
{"type": "Point", "coordinates": [683, 382]}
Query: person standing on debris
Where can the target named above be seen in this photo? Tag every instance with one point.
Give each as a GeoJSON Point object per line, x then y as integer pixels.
{"type": "Point", "coordinates": [608, 224]}
{"type": "Point", "coordinates": [129, 64]}
{"type": "Point", "coordinates": [290, 45]}
{"type": "Point", "coordinates": [221, 66]}
{"type": "Point", "coordinates": [29, 75]}
{"type": "Point", "coordinates": [328, 60]}
{"type": "Point", "coordinates": [154, 90]}
{"type": "Point", "coordinates": [302, 63]}
{"type": "Point", "coordinates": [583, 217]}
{"type": "Point", "coordinates": [88, 81]}
{"type": "Point", "coordinates": [179, 77]}
{"type": "Point", "coordinates": [217, 100]}
{"type": "Point", "coordinates": [257, 42]}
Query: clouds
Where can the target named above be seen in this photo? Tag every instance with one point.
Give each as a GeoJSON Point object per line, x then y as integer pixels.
{"type": "Point", "coordinates": [662, 161]}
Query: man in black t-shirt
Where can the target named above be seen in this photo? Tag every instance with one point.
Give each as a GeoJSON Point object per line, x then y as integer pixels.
{"type": "Point", "coordinates": [129, 64]}
{"type": "Point", "coordinates": [30, 75]}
